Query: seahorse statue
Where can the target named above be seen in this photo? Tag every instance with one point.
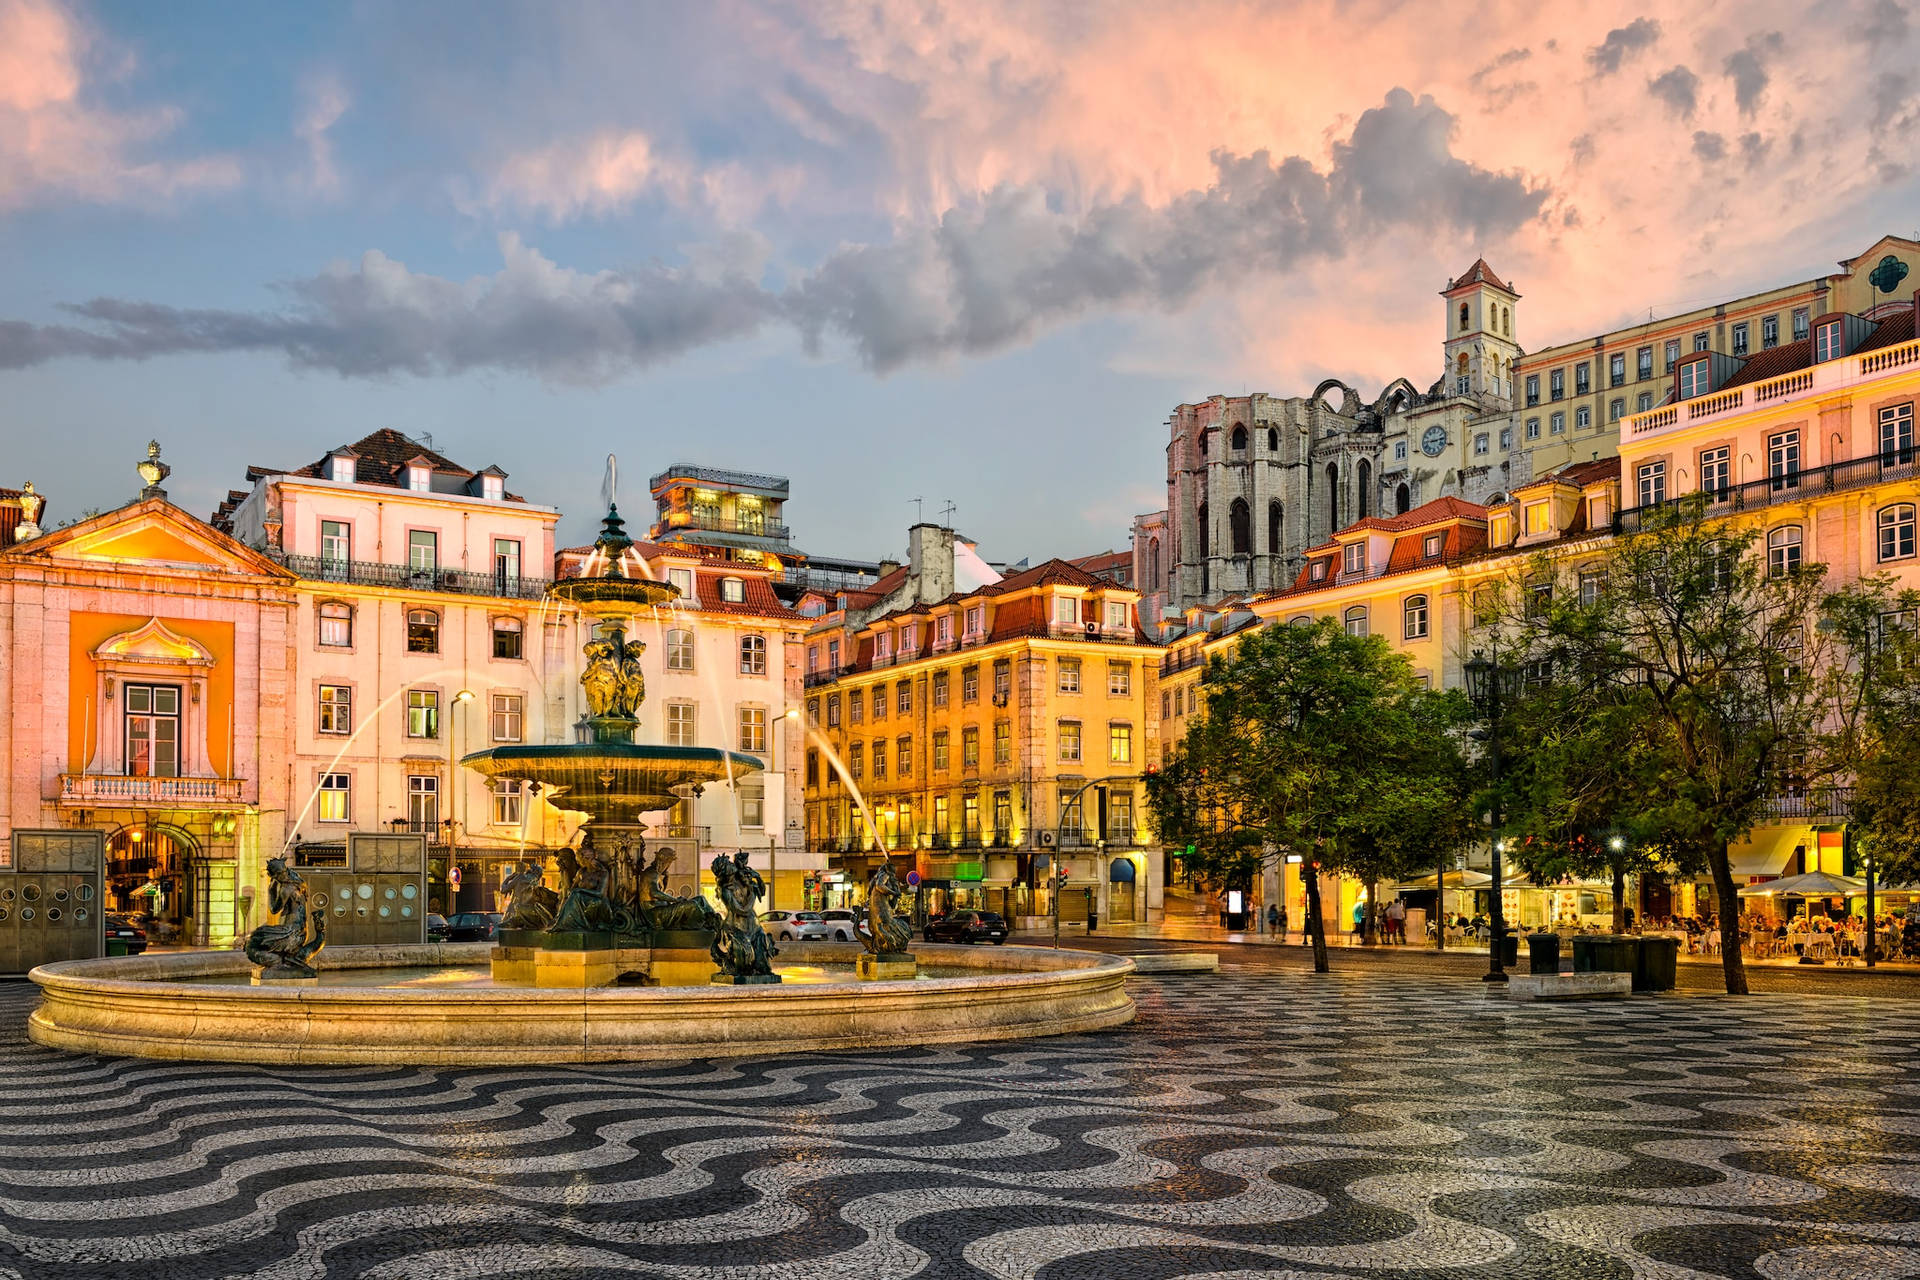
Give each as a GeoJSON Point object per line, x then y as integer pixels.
{"type": "Point", "coordinates": [883, 933]}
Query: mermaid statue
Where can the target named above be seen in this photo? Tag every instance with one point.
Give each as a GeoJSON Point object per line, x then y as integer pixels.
{"type": "Point", "coordinates": [586, 908]}
{"type": "Point", "coordinates": [530, 904]}
{"type": "Point", "coordinates": [882, 933]}
{"type": "Point", "coordinates": [741, 947]}
{"type": "Point", "coordinates": [282, 949]}
{"type": "Point", "coordinates": [666, 912]}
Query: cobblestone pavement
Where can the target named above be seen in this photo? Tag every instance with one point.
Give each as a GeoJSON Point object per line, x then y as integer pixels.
{"type": "Point", "coordinates": [1261, 1123]}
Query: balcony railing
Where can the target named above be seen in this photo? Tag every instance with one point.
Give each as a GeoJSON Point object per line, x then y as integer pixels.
{"type": "Point", "coordinates": [1798, 486]}
{"type": "Point", "coordinates": [1813, 803]}
{"type": "Point", "coordinates": [111, 790]}
{"type": "Point", "coordinates": [365, 573]}
{"type": "Point", "coordinates": [724, 524]}
{"type": "Point", "coordinates": [1824, 378]}
{"type": "Point", "coordinates": [1174, 664]}
{"type": "Point", "coordinates": [681, 831]}
{"type": "Point", "coordinates": [715, 476]}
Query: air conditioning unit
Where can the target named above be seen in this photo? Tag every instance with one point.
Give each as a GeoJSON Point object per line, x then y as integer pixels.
{"type": "Point", "coordinates": [1093, 628]}
{"type": "Point", "coordinates": [1044, 839]}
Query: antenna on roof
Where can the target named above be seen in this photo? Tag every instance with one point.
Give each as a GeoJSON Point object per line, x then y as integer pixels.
{"type": "Point", "coordinates": [946, 512]}
{"type": "Point", "coordinates": [919, 510]}
{"type": "Point", "coordinates": [426, 438]}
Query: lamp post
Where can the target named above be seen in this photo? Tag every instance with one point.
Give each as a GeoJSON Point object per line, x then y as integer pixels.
{"type": "Point", "coordinates": [1491, 685]}
{"type": "Point", "coordinates": [452, 823]}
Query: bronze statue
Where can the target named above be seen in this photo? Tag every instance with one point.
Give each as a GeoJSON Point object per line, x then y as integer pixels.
{"type": "Point", "coordinates": [633, 684]}
{"type": "Point", "coordinates": [530, 904]}
{"type": "Point", "coordinates": [601, 679]}
{"type": "Point", "coordinates": [586, 908]}
{"type": "Point", "coordinates": [283, 949]}
{"type": "Point", "coordinates": [881, 932]}
{"type": "Point", "coordinates": [667, 912]}
{"type": "Point", "coordinates": [741, 947]}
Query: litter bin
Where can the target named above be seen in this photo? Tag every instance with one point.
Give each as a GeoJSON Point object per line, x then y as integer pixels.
{"type": "Point", "coordinates": [116, 947]}
{"type": "Point", "coordinates": [1614, 953]}
{"type": "Point", "coordinates": [1543, 953]}
{"type": "Point", "coordinates": [1510, 950]}
{"type": "Point", "coordinates": [1655, 962]}
{"type": "Point", "coordinates": [1583, 952]}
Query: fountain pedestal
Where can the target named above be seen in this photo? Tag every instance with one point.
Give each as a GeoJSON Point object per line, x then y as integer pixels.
{"type": "Point", "coordinates": [891, 966]}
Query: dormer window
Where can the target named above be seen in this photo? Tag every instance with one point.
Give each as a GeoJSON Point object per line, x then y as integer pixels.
{"type": "Point", "coordinates": [1431, 547]}
{"type": "Point", "coordinates": [681, 580]}
{"type": "Point", "coordinates": [1356, 558]}
{"type": "Point", "coordinates": [1318, 571]}
{"type": "Point", "coordinates": [419, 479]}
{"type": "Point", "coordinates": [1695, 379]}
{"type": "Point", "coordinates": [733, 590]}
{"type": "Point", "coordinates": [493, 488]}
{"type": "Point", "coordinates": [1536, 518]}
{"type": "Point", "coordinates": [881, 643]}
{"type": "Point", "coordinates": [1827, 342]}
{"type": "Point", "coordinates": [1066, 610]}
{"type": "Point", "coordinates": [340, 469]}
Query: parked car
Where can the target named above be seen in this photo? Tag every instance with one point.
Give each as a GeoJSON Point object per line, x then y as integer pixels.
{"type": "Point", "coordinates": [968, 926]}
{"type": "Point", "coordinates": [125, 937]}
{"type": "Point", "coordinates": [786, 926]}
{"type": "Point", "coordinates": [836, 925]}
{"type": "Point", "coordinates": [438, 930]}
{"type": "Point", "coordinates": [472, 926]}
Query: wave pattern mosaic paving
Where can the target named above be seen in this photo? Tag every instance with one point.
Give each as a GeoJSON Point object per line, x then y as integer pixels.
{"type": "Point", "coordinates": [1251, 1124]}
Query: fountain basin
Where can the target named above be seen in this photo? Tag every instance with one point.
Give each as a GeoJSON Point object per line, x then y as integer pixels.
{"type": "Point", "coordinates": [612, 781]}
{"type": "Point", "coordinates": [164, 1006]}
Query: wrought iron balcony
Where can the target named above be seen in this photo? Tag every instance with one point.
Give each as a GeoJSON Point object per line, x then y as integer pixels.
{"type": "Point", "coordinates": [108, 791]}
{"type": "Point", "coordinates": [1799, 486]}
{"type": "Point", "coordinates": [365, 573]}
{"type": "Point", "coordinates": [1813, 803]}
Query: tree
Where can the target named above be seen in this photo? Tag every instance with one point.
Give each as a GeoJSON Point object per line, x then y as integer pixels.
{"type": "Point", "coordinates": [1877, 734]}
{"type": "Point", "coordinates": [1316, 743]}
{"type": "Point", "coordinates": [1700, 658]}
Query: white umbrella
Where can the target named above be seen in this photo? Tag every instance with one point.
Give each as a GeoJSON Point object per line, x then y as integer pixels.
{"type": "Point", "coordinates": [1814, 884]}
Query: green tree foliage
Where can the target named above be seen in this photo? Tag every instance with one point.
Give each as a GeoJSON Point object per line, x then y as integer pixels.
{"type": "Point", "coordinates": [1877, 736]}
{"type": "Point", "coordinates": [1322, 744]}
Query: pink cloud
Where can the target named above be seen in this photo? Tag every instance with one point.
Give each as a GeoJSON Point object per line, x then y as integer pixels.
{"type": "Point", "coordinates": [608, 171]}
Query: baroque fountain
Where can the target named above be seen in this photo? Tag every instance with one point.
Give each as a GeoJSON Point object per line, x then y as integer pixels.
{"type": "Point", "coordinates": [608, 966]}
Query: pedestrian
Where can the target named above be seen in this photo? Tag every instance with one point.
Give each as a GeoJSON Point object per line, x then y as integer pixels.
{"type": "Point", "coordinates": [1359, 919]}
{"type": "Point", "coordinates": [1397, 921]}
{"type": "Point", "coordinates": [1283, 922]}
{"type": "Point", "coordinates": [1273, 918]}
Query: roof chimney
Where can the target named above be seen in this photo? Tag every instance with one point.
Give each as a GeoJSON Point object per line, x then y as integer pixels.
{"type": "Point", "coordinates": [930, 562]}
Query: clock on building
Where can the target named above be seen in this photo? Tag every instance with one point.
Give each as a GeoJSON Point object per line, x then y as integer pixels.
{"type": "Point", "coordinates": [1433, 440]}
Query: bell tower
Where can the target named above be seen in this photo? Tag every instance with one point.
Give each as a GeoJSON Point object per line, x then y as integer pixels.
{"type": "Point", "coordinates": [1479, 347]}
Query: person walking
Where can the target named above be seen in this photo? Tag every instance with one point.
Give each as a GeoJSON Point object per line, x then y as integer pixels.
{"type": "Point", "coordinates": [1273, 918]}
{"type": "Point", "coordinates": [1283, 921]}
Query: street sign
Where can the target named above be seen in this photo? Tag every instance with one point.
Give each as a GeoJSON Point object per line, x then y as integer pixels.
{"type": "Point", "coordinates": [913, 879]}
{"type": "Point", "coordinates": [453, 877]}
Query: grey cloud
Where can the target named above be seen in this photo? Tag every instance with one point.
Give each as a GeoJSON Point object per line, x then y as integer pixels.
{"type": "Point", "coordinates": [1891, 89]}
{"type": "Point", "coordinates": [1709, 146]}
{"type": "Point", "coordinates": [1510, 58]}
{"type": "Point", "coordinates": [1754, 148]}
{"type": "Point", "coordinates": [1622, 43]}
{"type": "Point", "coordinates": [1747, 71]}
{"type": "Point", "coordinates": [1679, 88]}
{"type": "Point", "coordinates": [1885, 24]}
{"type": "Point", "coordinates": [981, 279]}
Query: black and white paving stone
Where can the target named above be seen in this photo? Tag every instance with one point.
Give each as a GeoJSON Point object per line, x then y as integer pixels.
{"type": "Point", "coordinates": [1261, 1124]}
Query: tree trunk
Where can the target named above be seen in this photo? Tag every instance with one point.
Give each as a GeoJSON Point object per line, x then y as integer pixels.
{"type": "Point", "coordinates": [1372, 932]}
{"type": "Point", "coordinates": [1728, 903]}
{"type": "Point", "coordinates": [1316, 927]}
{"type": "Point", "coordinates": [1619, 898]}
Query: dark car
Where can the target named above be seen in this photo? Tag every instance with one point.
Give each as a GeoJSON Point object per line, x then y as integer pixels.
{"type": "Point", "coordinates": [471, 926]}
{"type": "Point", "coordinates": [438, 930]}
{"type": "Point", "coordinates": [124, 935]}
{"type": "Point", "coordinates": [968, 926]}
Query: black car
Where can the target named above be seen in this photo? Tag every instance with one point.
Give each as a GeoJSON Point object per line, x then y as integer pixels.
{"type": "Point", "coordinates": [125, 937]}
{"type": "Point", "coordinates": [968, 926]}
{"type": "Point", "coordinates": [437, 927]}
{"type": "Point", "coordinates": [472, 926]}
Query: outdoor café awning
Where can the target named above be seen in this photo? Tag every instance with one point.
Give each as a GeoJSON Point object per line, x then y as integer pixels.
{"type": "Point", "coordinates": [1814, 884]}
{"type": "Point", "coordinates": [1455, 880]}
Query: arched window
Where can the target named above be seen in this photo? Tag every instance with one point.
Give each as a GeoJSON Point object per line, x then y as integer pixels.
{"type": "Point", "coordinates": [1464, 313]}
{"type": "Point", "coordinates": [1239, 438]}
{"type": "Point", "coordinates": [1896, 531]}
{"type": "Point", "coordinates": [507, 638]}
{"type": "Point", "coordinates": [1366, 485]}
{"type": "Point", "coordinates": [733, 590]}
{"type": "Point", "coordinates": [1783, 551]}
{"type": "Point", "coordinates": [1460, 364]}
{"type": "Point", "coordinates": [1402, 500]}
{"type": "Point", "coordinates": [336, 625]}
{"type": "Point", "coordinates": [1153, 564]}
{"type": "Point", "coordinates": [1240, 526]}
{"type": "Point", "coordinates": [679, 650]}
{"type": "Point", "coordinates": [1356, 620]}
{"type": "Point", "coordinates": [1206, 532]}
{"type": "Point", "coordinates": [753, 655]}
{"type": "Point", "coordinates": [1273, 528]}
{"type": "Point", "coordinates": [423, 631]}
{"type": "Point", "coordinates": [1333, 497]}
{"type": "Point", "coordinates": [1273, 440]}
{"type": "Point", "coordinates": [1413, 616]}
{"type": "Point", "coordinates": [1203, 444]}
{"type": "Point", "coordinates": [1506, 322]}
{"type": "Point", "coordinates": [1300, 620]}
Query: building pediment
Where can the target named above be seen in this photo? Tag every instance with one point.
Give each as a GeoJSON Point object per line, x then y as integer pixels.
{"type": "Point", "coordinates": [152, 533]}
{"type": "Point", "coordinates": [154, 644]}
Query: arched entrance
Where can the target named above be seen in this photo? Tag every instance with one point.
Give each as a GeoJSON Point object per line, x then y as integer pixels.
{"type": "Point", "coordinates": [150, 875]}
{"type": "Point", "coordinates": [1121, 900]}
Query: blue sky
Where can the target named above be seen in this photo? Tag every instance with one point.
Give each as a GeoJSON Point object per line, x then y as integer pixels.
{"type": "Point", "coordinates": [971, 253]}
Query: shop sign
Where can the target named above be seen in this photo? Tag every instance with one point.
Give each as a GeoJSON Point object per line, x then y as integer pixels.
{"type": "Point", "coordinates": [969, 871]}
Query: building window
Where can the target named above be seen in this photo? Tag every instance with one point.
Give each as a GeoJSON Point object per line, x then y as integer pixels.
{"type": "Point", "coordinates": [423, 631]}
{"type": "Point", "coordinates": [1002, 742]}
{"type": "Point", "coordinates": [1356, 620]}
{"type": "Point", "coordinates": [753, 655]}
{"type": "Point", "coordinates": [856, 706]}
{"type": "Point", "coordinates": [1769, 332]}
{"type": "Point", "coordinates": [1672, 353]}
{"type": "Point", "coordinates": [1430, 546]}
{"type": "Point", "coordinates": [680, 724]}
{"type": "Point", "coordinates": [813, 712]}
{"type": "Point", "coordinates": [1533, 388]}
{"type": "Point", "coordinates": [1506, 442]}
{"type": "Point", "coordinates": [423, 804]}
{"type": "Point", "coordinates": [943, 629]}
{"type": "Point", "coordinates": [856, 758]}
{"type": "Point", "coordinates": [1617, 369]}
{"type": "Point", "coordinates": [1643, 363]}
{"type": "Point", "coordinates": [509, 716]}
{"type": "Point", "coordinates": [1002, 682]}
{"type": "Point", "coordinates": [753, 804]}
{"type": "Point", "coordinates": [906, 757]}
{"type": "Point", "coordinates": [509, 802]}
{"type": "Point", "coordinates": [969, 685]}
{"type": "Point", "coordinates": [1069, 740]}
{"type": "Point", "coordinates": [1582, 418]}
{"type": "Point", "coordinates": [507, 638]}
{"type": "Point", "coordinates": [1533, 428]}
{"type": "Point", "coordinates": [1592, 583]}
{"type": "Point", "coordinates": [336, 549]}
{"type": "Point", "coordinates": [336, 625]}
{"type": "Point", "coordinates": [833, 655]}
{"type": "Point", "coordinates": [1119, 678]}
{"type": "Point", "coordinates": [1826, 342]}
{"type": "Point", "coordinates": [681, 580]}
{"type": "Point", "coordinates": [1116, 615]}
{"type": "Point", "coordinates": [1069, 675]}
{"type": "Point", "coordinates": [1653, 483]}
{"type": "Point", "coordinates": [833, 711]}
{"type": "Point", "coordinates": [420, 479]}
{"type": "Point", "coordinates": [1582, 380]}
{"type": "Point", "coordinates": [1783, 459]}
{"type": "Point", "coordinates": [1800, 318]}
{"type": "Point", "coordinates": [1557, 384]}
{"type": "Point", "coordinates": [1643, 402]}
{"type": "Point", "coordinates": [1166, 705]}
{"type": "Point", "coordinates": [733, 590]}
{"type": "Point", "coordinates": [506, 566]}
{"type": "Point", "coordinates": [976, 620]}
{"type": "Point", "coordinates": [1399, 454]}
{"type": "Point", "coordinates": [970, 748]}
{"type": "Point", "coordinates": [1557, 424]}
{"type": "Point", "coordinates": [1066, 611]}
{"type": "Point", "coordinates": [423, 713]}
{"type": "Point", "coordinates": [1354, 557]}
{"type": "Point", "coordinates": [940, 751]}
{"type": "Point", "coordinates": [903, 697]}
{"type": "Point", "coordinates": [879, 757]}
{"type": "Point", "coordinates": [1414, 617]}
{"type": "Point", "coordinates": [336, 797]}
{"type": "Point", "coordinates": [1533, 518]}
{"type": "Point", "coordinates": [1317, 571]}
{"type": "Point", "coordinates": [679, 650]}
{"type": "Point", "coordinates": [1120, 743]}
{"type": "Point", "coordinates": [1716, 470]}
{"type": "Point", "coordinates": [939, 688]}
{"type": "Point", "coordinates": [1616, 409]}
{"type": "Point", "coordinates": [1702, 341]}
{"type": "Point", "coordinates": [1695, 379]}
{"type": "Point", "coordinates": [1740, 332]}
{"type": "Point", "coordinates": [423, 551]}
{"type": "Point", "coordinates": [336, 708]}
{"type": "Point", "coordinates": [1896, 434]}
{"type": "Point", "coordinates": [879, 702]}
{"type": "Point", "coordinates": [882, 645]}
{"type": "Point", "coordinates": [1896, 531]}
{"type": "Point", "coordinates": [1481, 443]}
{"type": "Point", "coordinates": [1783, 551]}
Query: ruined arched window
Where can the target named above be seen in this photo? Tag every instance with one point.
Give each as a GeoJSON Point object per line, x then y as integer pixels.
{"type": "Point", "coordinates": [1402, 500]}
{"type": "Point", "coordinates": [1273, 440]}
{"type": "Point", "coordinates": [1240, 525]}
{"type": "Point", "coordinates": [1206, 535]}
{"type": "Point", "coordinates": [1366, 484]}
{"type": "Point", "coordinates": [1153, 564]}
{"type": "Point", "coordinates": [1273, 528]}
{"type": "Point", "coordinates": [1239, 438]}
{"type": "Point", "coordinates": [1333, 497]}
{"type": "Point", "coordinates": [1463, 320]}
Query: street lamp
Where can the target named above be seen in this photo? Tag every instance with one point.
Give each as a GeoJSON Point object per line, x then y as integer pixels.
{"type": "Point", "coordinates": [460, 699]}
{"type": "Point", "coordinates": [1490, 686]}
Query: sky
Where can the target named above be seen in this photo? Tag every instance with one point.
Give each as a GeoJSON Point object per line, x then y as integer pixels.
{"type": "Point", "coordinates": [969, 252]}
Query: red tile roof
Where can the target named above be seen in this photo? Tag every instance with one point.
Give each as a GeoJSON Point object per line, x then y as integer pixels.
{"type": "Point", "coordinates": [1480, 273]}
{"type": "Point", "coordinates": [380, 458]}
